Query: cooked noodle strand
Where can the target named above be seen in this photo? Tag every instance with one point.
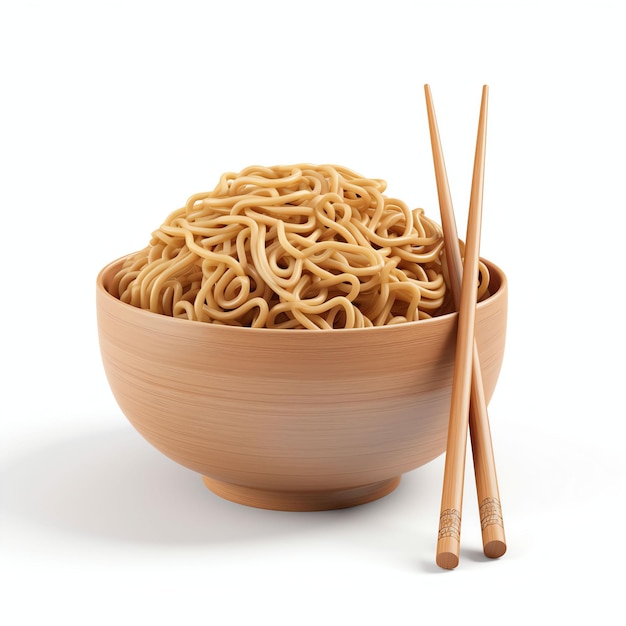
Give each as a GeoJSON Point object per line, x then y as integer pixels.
{"type": "Point", "coordinates": [298, 246]}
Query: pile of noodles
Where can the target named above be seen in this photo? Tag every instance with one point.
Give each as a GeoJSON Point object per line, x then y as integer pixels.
{"type": "Point", "coordinates": [293, 246]}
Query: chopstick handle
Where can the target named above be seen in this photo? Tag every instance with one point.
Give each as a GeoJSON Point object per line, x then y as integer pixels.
{"type": "Point", "coordinates": [449, 536]}
{"type": "Point", "coordinates": [490, 511]}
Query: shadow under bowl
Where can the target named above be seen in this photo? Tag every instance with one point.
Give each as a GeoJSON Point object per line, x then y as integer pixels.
{"type": "Point", "coordinates": [295, 420]}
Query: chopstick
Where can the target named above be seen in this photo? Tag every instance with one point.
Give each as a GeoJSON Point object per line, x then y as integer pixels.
{"type": "Point", "coordinates": [492, 527]}
{"type": "Point", "coordinates": [468, 405]}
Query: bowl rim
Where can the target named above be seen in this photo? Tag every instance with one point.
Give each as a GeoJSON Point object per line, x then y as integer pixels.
{"type": "Point", "coordinates": [101, 290]}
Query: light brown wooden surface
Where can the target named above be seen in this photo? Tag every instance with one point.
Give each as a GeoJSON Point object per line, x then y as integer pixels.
{"type": "Point", "coordinates": [448, 541]}
{"type": "Point", "coordinates": [291, 419]}
{"type": "Point", "coordinates": [492, 526]}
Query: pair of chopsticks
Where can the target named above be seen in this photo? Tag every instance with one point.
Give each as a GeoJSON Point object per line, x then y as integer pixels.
{"type": "Point", "coordinates": [468, 406]}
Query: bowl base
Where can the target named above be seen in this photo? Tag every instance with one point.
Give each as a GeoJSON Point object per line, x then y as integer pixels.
{"type": "Point", "coordinates": [301, 501]}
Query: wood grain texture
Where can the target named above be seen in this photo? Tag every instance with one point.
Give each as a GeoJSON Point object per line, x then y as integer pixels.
{"type": "Point", "coordinates": [309, 419]}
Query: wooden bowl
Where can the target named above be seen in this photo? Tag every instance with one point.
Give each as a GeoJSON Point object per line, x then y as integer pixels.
{"type": "Point", "coordinates": [296, 420]}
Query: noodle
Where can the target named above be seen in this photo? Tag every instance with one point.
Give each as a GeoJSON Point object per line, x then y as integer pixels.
{"type": "Point", "coordinates": [300, 246]}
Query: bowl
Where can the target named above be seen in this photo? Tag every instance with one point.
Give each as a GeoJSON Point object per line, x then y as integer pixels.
{"type": "Point", "coordinates": [286, 419]}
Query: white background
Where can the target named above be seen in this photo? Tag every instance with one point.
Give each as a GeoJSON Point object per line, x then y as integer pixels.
{"type": "Point", "coordinates": [113, 113]}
